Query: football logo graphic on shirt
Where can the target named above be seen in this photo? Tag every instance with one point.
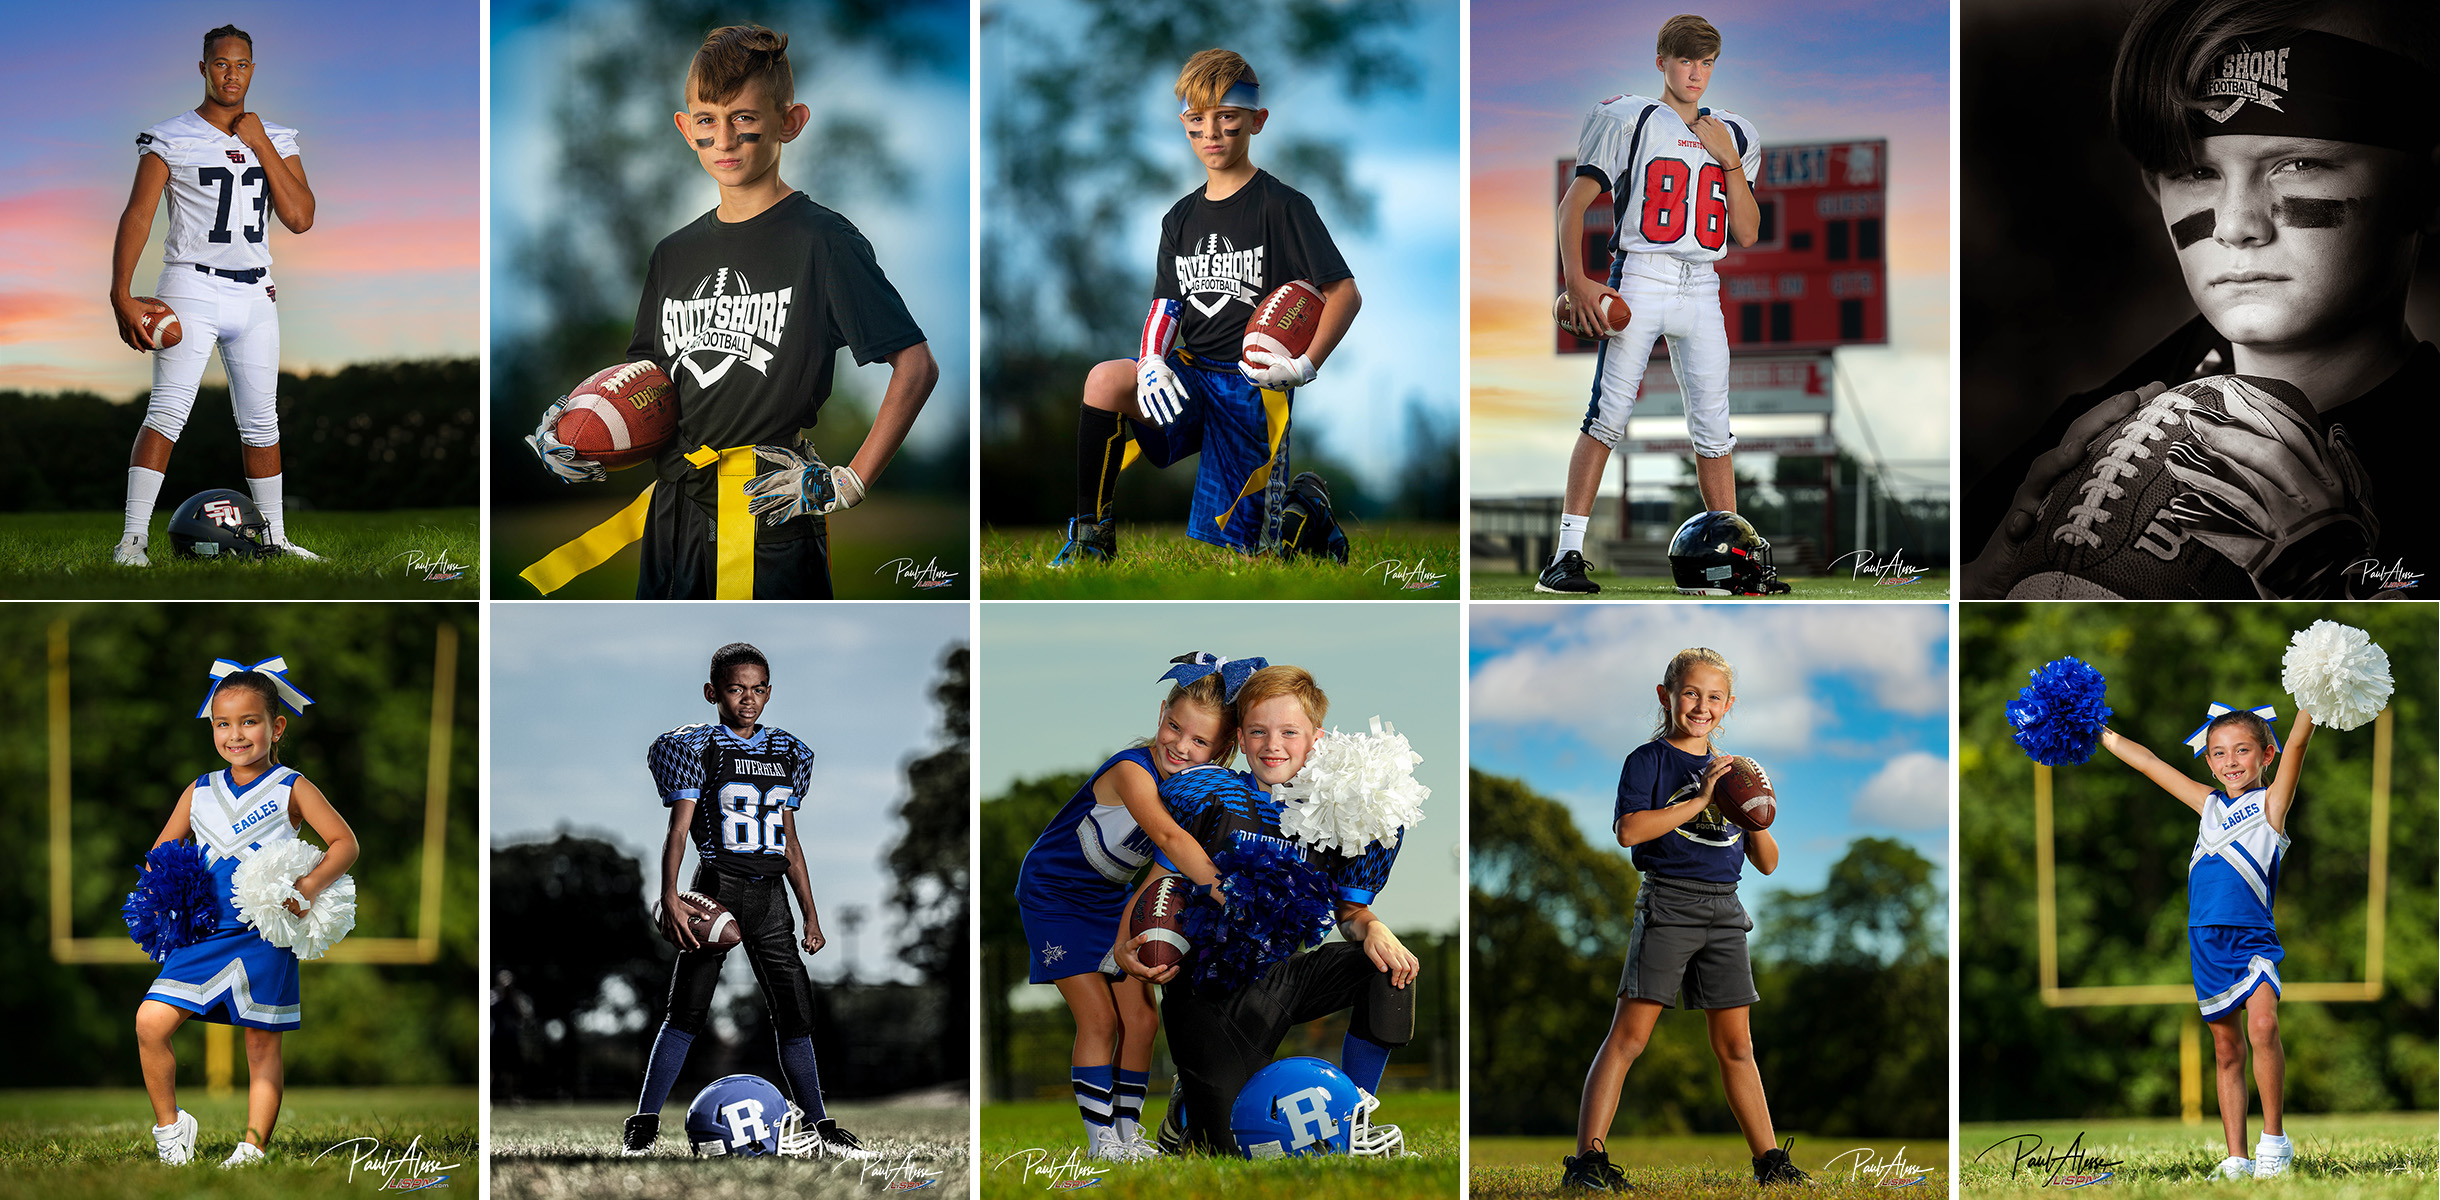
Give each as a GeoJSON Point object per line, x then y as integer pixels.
{"type": "Point", "coordinates": [1219, 272]}
{"type": "Point", "coordinates": [1708, 827]}
{"type": "Point", "coordinates": [723, 323]}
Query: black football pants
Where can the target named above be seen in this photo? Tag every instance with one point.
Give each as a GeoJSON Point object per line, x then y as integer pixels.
{"type": "Point", "coordinates": [1220, 1039]}
{"type": "Point", "coordinates": [760, 904]}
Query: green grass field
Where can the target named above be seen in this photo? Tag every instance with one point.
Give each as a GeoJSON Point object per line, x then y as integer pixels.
{"type": "Point", "coordinates": [96, 1143]}
{"type": "Point", "coordinates": [569, 1150]}
{"type": "Point", "coordinates": [1429, 1120]}
{"type": "Point", "coordinates": [1390, 561]}
{"type": "Point", "coordinates": [365, 556]}
{"type": "Point", "coordinates": [2348, 1156]}
{"type": "Point", "coordinates": [873, 550]}
{"type": "Point", "coordinates": [1714, 1165]}
{"type": "Point", "coordinates": [1934, 585]}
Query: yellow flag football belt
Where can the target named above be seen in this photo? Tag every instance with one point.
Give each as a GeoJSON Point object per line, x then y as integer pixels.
{"type": "Point", "coordinates": [733, 532]}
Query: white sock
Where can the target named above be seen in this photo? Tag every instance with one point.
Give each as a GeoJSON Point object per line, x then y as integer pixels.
{"type": "Point", "coordinates": [143, 489]}
{"type": "Point", "coordinates": [1572, 529]}
{"type": "Point", "coordinates": [267, 498]}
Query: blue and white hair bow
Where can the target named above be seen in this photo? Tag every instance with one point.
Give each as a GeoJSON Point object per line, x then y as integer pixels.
{"type": "Point", "coordinates": [276, 668]}
{"type": "Point", "coordinates": [1233, 671]}
{"type": "Point", "coordinates": [2268, 713]}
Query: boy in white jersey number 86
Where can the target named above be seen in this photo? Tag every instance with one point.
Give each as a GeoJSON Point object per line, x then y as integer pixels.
{"type": "Point", "coordinates": [2231, 880]}
{"type": "Point", "coordinates": [226, 170]}
{"type": "Point", "coordinates": [1677, 175]}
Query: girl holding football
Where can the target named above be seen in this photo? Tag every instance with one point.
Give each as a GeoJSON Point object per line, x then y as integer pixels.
{"type": "Point", "coordinates": [1074, 885]}
{"type": "Point", "coordinates": [232, 975]}
{"type": "Point", "coordinates": [2231, 881]}
{"type": "Point", "coordinates": [1688, 941]}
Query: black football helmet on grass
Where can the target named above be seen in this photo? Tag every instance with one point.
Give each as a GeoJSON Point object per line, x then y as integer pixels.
{"type": "Point", "coordinates": [220, 524]}
{"type": "Point", "coordinates": [1719, 554]}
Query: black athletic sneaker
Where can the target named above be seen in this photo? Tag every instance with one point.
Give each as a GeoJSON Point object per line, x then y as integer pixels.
{"type": "Point", "coordinates": [1565, 576]}
{"type": "Point", "coordinates": [837, 1142]}
{"type": "Point", "coordinates": [1591, 1172]}
{"type": "Point", "coordinates": [1088, 539]}
{"type": "Point", "coordinates": [642, 1128]}
{"type": "Point", "coordinates": [1772, 1166]}
{"type": "Point", "coordinates": [1172, 1136]}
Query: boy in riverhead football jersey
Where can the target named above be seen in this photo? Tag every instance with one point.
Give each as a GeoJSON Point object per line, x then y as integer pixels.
{"type": "Point", "coordinates": [732, 788]}
{"type": "Point", "coordinates": [1677, 175]}
{"type": "Point", "coordinates": [1223, 248]}
{"type": "Point", "coordinates": [226, 171]}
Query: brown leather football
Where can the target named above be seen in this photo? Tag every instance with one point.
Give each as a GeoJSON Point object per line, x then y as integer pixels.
{"type": "Point", "coordinates": [1744, 795]}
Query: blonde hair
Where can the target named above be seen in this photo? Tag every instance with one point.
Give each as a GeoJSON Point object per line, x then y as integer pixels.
{"type": "Point", "coordinates": [1208, 76]}
{"type": "Point", "coordinates": [1681, 663]}
{"type": "Point", "coordinates": [1689, 36]}
{"type": "Point", "coordinates": [1204, 694]}
{"type": "Point", "coordinates": [734, 56]}
{"type": "Point", "coordinates": [1272, 682]}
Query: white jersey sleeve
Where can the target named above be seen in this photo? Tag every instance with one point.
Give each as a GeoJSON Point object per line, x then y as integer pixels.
{"type": "Point", "coordinates": [1668, 194]}
{"type": "Point", "coordinates": [219, 202]}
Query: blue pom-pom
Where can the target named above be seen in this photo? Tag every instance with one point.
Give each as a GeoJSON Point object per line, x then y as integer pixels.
{"type": "Point", "coordinates": [2058, 717]}
{"type": "Point", "coordinates": [176, 902]}
{"type": "Point", "coordinates": [1278, 904]}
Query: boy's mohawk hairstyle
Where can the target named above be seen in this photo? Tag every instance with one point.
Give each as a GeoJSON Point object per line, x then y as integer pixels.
{"type": "Point", "coordinates": [1688, 36]}
{"type": "Point", "coordinates": [1207, 77]}
{"type": "Point", "coordinates": [736, 56]}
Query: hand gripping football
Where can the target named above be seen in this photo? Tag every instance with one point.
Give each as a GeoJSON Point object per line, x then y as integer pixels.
{"type": "Point", "coordinates": [1161, 911]}
{"type": "Point", "coordinates": [1744, 795]}
{"type": "Point", "coordinates": [1613, 310]}
{"type": "Point", "coordinates": [711, 922]}
{"type": "Point", "coordinates": [159, 323]}
{"type": "Point", "coordinates": [620, 416]}
{"type": "Point", "coordinates": [1283, 324]}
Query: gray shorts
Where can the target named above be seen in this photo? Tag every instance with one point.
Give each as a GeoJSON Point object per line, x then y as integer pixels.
{"type": "Point", "coordinates": [1689, 934]}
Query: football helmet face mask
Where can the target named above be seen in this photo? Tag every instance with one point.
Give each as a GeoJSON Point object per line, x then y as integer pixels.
{"type": "Point", "coordinates": [1300, 1106]}
{"type": "Point", "coordinates": [1719, 554]}
{"type": "Point", "coordinates": [747, 1115]}
{"type": "Point", "coordinates": [219, 524]}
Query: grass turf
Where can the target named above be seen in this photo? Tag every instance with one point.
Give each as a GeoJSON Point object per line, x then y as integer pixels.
{"type": "Point", "coordinates": [875, 550]}
{"type": "Point", "coordinates": [365, 556]}
{"type": "Point", "coordinates": [572, 1150]}
{"type": "Point", "coordinates": [1389, 561]}
{"type": "Point", "coordinates": [1507, 585]}
{"type": "Point", "coordinates": [1041, 1135]}
{"type": "Point", "coordinates": [1720, 1165]}
{"type": "Point", "coordinates": [96, 1143]}
{"type": "Point", "coordinates": [2341, 1156]}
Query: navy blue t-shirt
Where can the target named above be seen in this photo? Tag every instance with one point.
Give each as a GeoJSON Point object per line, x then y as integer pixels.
{"type": "Point", "coordinates": [1658, 775]}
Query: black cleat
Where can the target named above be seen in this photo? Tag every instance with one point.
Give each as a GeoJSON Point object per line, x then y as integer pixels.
{"type": "Point", "coordinates": [1088, 539]}
{"type": "Point", "coordinates": [1565, 576]}
{"type": "Point", "coordinates": [837, 1142]}
{"type": "Point", "coordinates": [1172, 1136]}
{"type": "Point", "coordinates": [1772, 1165]}
{"type": "Point", "coordinates": [1591, 1171]}
{"type": "Point", "coordinates": [642, 1128]}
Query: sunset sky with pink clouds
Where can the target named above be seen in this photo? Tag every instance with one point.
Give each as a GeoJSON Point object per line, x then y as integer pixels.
{"type": "Point", "coordinates": [1802, 72]}
{"type": "Point", "coordinates": [385, 102]}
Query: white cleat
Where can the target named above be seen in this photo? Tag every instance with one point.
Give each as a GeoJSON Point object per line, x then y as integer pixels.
{"type": "Point", "coordinates": [293, 550]}
{"type": "Point", "coordinates": [1102, 1144]}
{"type": "Point", "coordinates": [2233, 1167]}
{"type": "Point", "coordinates": [130, 552]}
{"type": "Point", "coordinates": [176, 1140]}
{"type": "Point", "coordinates": [2272, 1156]}
{"type": "Point", "coordinates": [246, 1154]}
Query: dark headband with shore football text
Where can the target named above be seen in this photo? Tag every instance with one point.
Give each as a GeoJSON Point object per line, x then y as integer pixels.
{"type": "Point", "coordinates": [2318, 85]}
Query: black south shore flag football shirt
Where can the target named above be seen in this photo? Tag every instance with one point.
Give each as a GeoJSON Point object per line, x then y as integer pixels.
{"type": "Point", "coordinates": [1219, 258]}
{"type": "Point", "coordinates": [747, 320]}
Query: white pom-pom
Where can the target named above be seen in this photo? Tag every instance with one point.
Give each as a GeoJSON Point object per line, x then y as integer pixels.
{"type": "Point", "coordinates": [266, 882]}
{"type": "Point", "coordinates": [1356, 789]}
{"type": "Point", "coordinates": [2338, 674]}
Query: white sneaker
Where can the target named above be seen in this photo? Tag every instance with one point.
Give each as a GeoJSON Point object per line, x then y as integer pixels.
{"type": "Point", "coordinates": [1102, 1144]}
{"type": "Point", "coordinates": [130, 552]}
{"type": "Point", "coordinates": [176, 1140]}
{"type": "Point", "coordinates": [2272, 1156]}
{"type": "Point", "coordinates": [2233, 1167]}
{"type": "Point", "coordinates": [296, 551]}
{"type": "Point", "coordinates": [245, 1154]}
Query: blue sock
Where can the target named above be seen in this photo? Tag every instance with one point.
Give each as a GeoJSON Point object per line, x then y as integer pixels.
{"type": "Point", "coordinates": [1127, 1101]}
{"type": "Point", "coordinates": [668, 1055]}
{"type": "Point", "coordinates": [805, 1079]}
{"type": "Point", "coordinates": [1364, 1059]}
{"type": "Point", "coordinates": [1093, 1086]}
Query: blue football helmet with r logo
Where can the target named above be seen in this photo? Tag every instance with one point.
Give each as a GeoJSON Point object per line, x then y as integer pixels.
{"type": "Point", "coordinates": [1300, 1106]}
{"type": "Point", "coordinates": [746, 1115]}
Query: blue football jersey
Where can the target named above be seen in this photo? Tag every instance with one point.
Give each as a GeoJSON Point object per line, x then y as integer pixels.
{"type": "Point", "coordinates": [742, 788]}
{"type": "Point", "coordinates": [1221, 808]}
{"type": "Point", "coordinates": [1658, 775]}
{"type": "Point", "coordinates": [1088, 853]}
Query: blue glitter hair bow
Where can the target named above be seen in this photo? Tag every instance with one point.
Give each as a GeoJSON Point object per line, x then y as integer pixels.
{"type": "Point", "coordinates": [276, 668]}
{"type": "Point", "coordinates": [2268, 713]}
{"type": "Point", "coordinates": [1233, 671]}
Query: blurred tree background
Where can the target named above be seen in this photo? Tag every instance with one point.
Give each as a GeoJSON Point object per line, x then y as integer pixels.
{"type": "Point", "coordinates": [581, 975]}
{"type": "Point", "coordinates": [1028, 1033]}
{"type": "Point", "coordinates": [136, 674]}
{"type": "Point", "coordinates": [1550, 921]}
{"type": "Point", "coordinates": [2123, 845]}
{"type": "Point", "coordinates": [604, 76]}
{"type": "Point", "coordinates": [1078, 153]}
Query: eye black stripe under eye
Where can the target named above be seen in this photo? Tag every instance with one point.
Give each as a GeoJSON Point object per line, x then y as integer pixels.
{"type": "Point", "coordinates": [2308, 212]}
{"type": "Point", "coordinates": [2194, 228]}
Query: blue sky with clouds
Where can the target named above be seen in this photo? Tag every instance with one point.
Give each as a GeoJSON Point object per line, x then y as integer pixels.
{"type": "Point", "coordinates": [1846, 706]}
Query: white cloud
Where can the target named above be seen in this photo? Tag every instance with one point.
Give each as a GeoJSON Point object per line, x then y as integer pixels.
{"type": "Point", "coordinates": [1910, 791]}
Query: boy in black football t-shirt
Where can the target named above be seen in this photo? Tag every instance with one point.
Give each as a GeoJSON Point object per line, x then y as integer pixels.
{"type": "Point", "coordinates": [1223, 248]}
{"type": "Point", "coordinates": [745, 310]}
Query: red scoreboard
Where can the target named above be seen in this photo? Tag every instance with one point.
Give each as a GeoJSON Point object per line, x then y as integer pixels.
{"type": "Point", "coordinates": [1817, 274]}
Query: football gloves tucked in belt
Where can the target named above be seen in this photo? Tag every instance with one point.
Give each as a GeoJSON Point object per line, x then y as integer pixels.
{"type": "Point", "coordinates": [802, 484]}
{"type": "Point", "coordinates": [557, 455]}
